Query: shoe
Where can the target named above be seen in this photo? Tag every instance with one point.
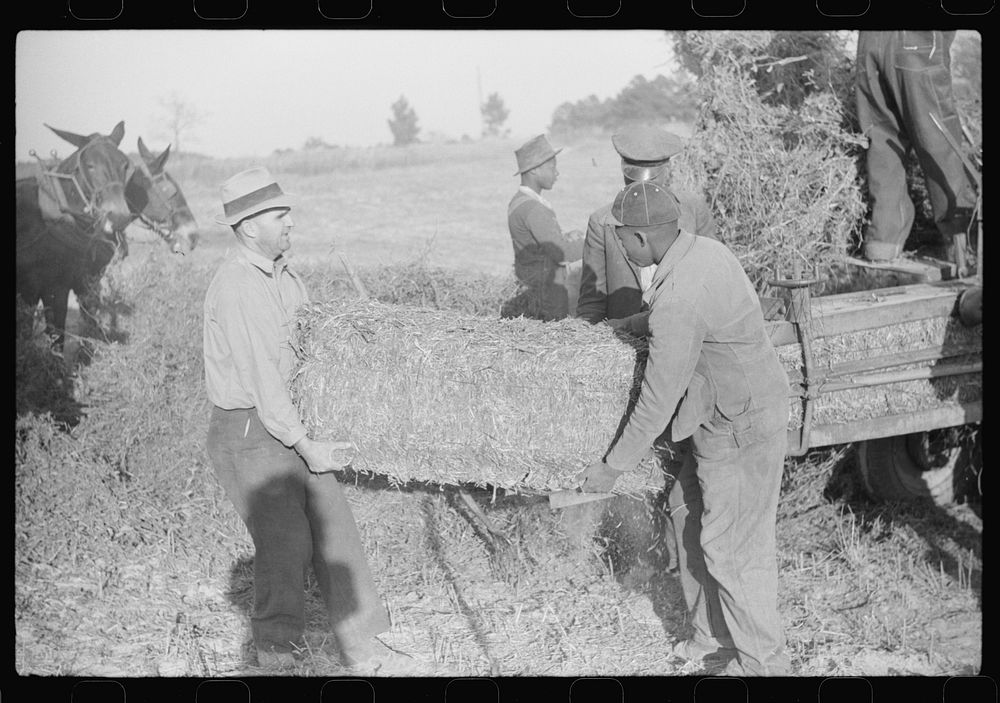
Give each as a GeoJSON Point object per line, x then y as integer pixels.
{"type": "Point", "coordinates": [376, 659]}
{"type": "Point", "coordinates": [275, 660]}
{"type": "Point", "coordinates": [698, 653]}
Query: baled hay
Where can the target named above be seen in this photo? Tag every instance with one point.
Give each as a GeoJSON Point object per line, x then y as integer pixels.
{"type": "Point", "coordinates": [440, 397]}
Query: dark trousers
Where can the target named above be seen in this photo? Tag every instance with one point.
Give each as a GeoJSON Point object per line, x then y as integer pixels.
{"type": "Point", "coordinates": [295, 518]}
{"type": "Point", "coordinates": [902, 78]}
{"type": "Point", "coordinates": [723, 505]}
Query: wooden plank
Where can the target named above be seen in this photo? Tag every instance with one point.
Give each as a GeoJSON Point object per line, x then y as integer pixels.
{"type": "Point", "coordinates": [925, 267]}
{"type": "Point", "coordinates": [781, 333]}
{"type": "Point", "coordinates": [918, 374]}
{"type": "Point", "coordinates": [885, 361]}
{"type": "Point", "coordinates": [853, 312]}
{"type": "Point", "coordinates": [892, 425]}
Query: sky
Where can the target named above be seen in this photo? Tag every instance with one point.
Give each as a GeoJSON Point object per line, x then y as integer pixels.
{"type": "Point", "coordinates": [260, 90]}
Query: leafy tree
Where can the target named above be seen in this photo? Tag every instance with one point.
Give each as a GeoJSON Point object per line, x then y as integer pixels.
{"type": "Point", "coordinates": [494, 114]}
{"type": "Point", "coordinates": [642, 100]}
{"type": "Point", "coordinates": [403, 123]}
{"type": "Point", "coordinates": [314, 143]}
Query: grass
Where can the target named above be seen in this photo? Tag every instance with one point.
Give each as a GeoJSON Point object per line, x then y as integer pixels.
{"type": "Point", "coordinates": [129, 561]}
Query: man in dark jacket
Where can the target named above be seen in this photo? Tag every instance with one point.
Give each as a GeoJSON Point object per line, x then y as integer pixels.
{"type": "Point", "coordinates": [611, 286]}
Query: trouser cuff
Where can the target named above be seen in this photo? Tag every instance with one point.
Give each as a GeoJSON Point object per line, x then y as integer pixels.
{"type": "Point", "coordinates": [881, 251]}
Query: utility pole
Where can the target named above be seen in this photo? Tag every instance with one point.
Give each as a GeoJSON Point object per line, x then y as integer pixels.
{"type": "Point", "coordinates": [479, 96]}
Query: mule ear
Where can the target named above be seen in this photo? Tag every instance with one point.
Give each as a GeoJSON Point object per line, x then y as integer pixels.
{"type": "Point", "coordinates": [117, 133]}
{"type": "Point", "coordinates": [144, 152]}
{"type": "Point", "coordinates": [77, 140]}
{"type": "Point", "coordinates": [161, 160]}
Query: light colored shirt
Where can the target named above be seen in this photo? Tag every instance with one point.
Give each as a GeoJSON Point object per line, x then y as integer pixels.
{"type": "Point", "coordinates": [646, 276]}
{"type": "Point", "coordinates": [249, 358]}
{"type": "Point", "coordinates": [704, 314]}
{"type": "Point", "coordinates": [537, 196]}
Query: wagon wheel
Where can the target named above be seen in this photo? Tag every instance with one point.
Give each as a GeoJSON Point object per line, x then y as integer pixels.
{"type": "Point", "coordinates": [939, 464]}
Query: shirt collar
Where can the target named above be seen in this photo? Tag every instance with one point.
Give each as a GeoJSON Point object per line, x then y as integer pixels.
{"type": "Point", "coordinates": [674, 254]}
{"type": "Point", "coordinates": [537, 196]}
{"type": "Point", "coordinates": [268, 266]}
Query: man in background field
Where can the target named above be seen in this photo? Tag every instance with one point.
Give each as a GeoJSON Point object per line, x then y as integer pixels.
{"type": "Point", "coordinates": [903, 83]}
{"type": "Point", "coordinates": [275, 475]}
{"type": "Point", "coordinates": [543, 253]}
{"type": "Point", "coordinates": [611, 286]}
{"type": "Point", "coordinates": [712, 374]}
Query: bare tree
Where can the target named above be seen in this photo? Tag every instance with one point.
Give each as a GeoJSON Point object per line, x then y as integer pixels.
{"type": "Point", "coordinates": [179, 118]}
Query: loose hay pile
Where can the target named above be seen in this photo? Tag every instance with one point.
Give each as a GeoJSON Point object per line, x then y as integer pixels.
{"type": "Point", "coordinates": [436, 396]}
{"type": "Point", "coordinates": [780, 171]}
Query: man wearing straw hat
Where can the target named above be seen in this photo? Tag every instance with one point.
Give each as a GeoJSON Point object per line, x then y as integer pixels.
{"type": "Point", "coordinates": [543, 254]}
{"type": "Point", "coordinates": [712, 374]}
{"type": "Point", "coordinates": [611, 286]}
{"type": "Point", "coordinates": [276, 476]}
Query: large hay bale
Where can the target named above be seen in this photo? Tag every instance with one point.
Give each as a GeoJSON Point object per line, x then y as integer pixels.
{"type": "Point", "coordinates": [442, 397]}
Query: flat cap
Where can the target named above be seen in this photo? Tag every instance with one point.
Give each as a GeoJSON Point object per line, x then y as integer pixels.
{"type": "Point", "coordinates": [644, 204]}
{"type": "Point", "coordinates": [644, 143]}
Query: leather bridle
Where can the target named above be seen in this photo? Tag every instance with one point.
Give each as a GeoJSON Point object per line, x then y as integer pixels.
{"type": "Point", "coordinates": [72, 170]}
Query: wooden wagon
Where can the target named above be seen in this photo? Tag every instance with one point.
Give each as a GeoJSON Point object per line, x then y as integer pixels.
{"type": "Point", "coordinates": [892, 369]}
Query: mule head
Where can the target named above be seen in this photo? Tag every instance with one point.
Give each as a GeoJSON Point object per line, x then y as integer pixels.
{"type": "Point", "coordinates": [93, 178]}
{"type": "Point", "coordinates": [163, 205]}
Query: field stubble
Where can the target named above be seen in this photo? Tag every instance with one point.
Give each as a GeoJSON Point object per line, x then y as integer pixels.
{"type": "Point", "coordinates": [130, 561]}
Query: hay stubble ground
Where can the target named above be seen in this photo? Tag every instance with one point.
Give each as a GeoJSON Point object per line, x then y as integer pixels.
{"type": "Point", "coordinates": [145, 570]}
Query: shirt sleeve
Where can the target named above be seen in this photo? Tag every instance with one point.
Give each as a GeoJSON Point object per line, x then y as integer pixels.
{"type": "Point", "coordinates": [545, 229]}
{"type": "Point", "coordinates": [676, 335]}
{"type": "Point", "coordinates": [253, 345]}
{"type": "Point", "coordinates": [592, 304]}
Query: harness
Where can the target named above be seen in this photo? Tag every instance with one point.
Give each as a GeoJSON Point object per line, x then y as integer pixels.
{"type": "Point", "coordinates": [54, 175]}
{"type": "Point", "coordinates": [160, 182]}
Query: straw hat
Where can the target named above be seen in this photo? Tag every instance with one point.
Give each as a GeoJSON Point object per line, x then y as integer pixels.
{"type": "Point", "coordinates": [534, 153]}
{"type": "Point", "coordinates": [250, 192]}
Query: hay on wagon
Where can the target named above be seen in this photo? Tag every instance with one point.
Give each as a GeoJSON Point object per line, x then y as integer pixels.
{"type": "Point", "coordinates": [843, 361]}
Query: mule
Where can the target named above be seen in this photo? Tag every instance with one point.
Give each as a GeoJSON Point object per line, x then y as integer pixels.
{"type": "Point", "coordinates": [156, 201]}
{"type": "Point", "coordinates": [89, 184]}
{"type": "Point", "coordinates": [70, 225]}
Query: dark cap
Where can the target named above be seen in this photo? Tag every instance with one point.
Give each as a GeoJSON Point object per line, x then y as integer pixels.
{"type": "Point", "coordinates": [645, 144]}
{"type": "Point", "coordinates": [643, 204]}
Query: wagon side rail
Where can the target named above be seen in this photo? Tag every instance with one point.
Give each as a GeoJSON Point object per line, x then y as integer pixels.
{"type": "Point", "coordinates": [826, 369]}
